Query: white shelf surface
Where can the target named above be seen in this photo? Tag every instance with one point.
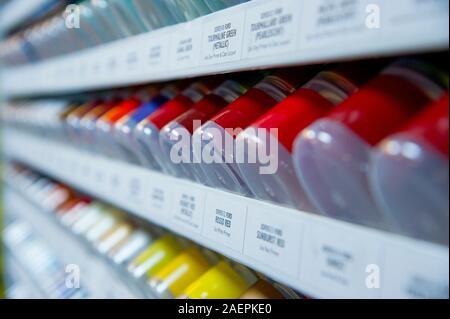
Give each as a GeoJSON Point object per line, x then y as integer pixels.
{"type": "Point", "coordinates": [318, 256]}
{"type": "Point", "coordinates": [256, 34]}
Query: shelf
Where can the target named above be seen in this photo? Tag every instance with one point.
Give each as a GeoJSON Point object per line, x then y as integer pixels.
{"type": "Point", "coordinates": [257, 34]}
{"type": "Point", "coordinates": [318, 256]}
{"type": "Point", "coordinates": [98, 277]}
{"type": "Point", "coordinates": [25, 284]}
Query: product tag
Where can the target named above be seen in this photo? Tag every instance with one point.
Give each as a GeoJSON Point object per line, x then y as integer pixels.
{"type": "Point", "coordinates": [224, 222]}
{"type": "Point", "coordinates": [423, 274]}
{"type": "Point", "coordinates": [222, 38]}
{"type": "Point", "coordinates": [188, 208]}
{"type": "Point", "coordinates": [337, 258]}
{"type": "Point", "coordinates": [273, 239]}
{"type": "Point", "coordinates": [326, 23]}
{"type": "Point", "coordinates": [272, 28]}
{"type": "Point", "coordinates": [185, 46]}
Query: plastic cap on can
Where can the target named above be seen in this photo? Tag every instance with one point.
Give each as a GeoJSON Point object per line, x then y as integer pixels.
{"type": "Point", "coordinates": [409, 175]}
{"type": "Point", "coordinates": [155, 257]}
{"type": "Point", "coordinates": [331, 156]}
{"type": "Point", "coordinates": [262, 290]}
{"type": "Point", "coordinates": [175, 277]}
{"type": "Point", "coordinates": [263, 150]}
{"type": "Point", "coordinates": [219, 282]}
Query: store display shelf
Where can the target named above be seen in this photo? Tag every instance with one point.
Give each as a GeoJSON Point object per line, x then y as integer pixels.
{"type": "Point", "coordinates": [316, 255]}
{"type": "Point", "coordinates": [256, 34]}
{"type": "Point", "coordinates": [25, 284]}
{"type": "Point", "coordinates": [98, 277]}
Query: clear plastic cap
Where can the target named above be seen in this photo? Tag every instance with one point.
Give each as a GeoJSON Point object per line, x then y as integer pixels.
{"type": "Point", "coordinates": [266, 164]}
{"type": "Point", "coordinates": [175, 141]}
{"type": "Point", "coordinates": [214, 148]}
{"type": "Point", "coordinates": [266, 167]}
{"type": "Point", "coordinates": [332, 164]}
{"type": "Point", "coordinates": [410, 182]}
{"type": "Point", "coordinates": [146, 137]}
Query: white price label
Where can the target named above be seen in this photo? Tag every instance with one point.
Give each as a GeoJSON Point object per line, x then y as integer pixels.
{"type": "Point", "coordinates": [160, 198]}
{"type": "Point", "coordinates": [99, 177]}
{"type": "Point", "coordinates": [111, 64]}
{"type": "Point", "coordinates": [155, 199]}
{"type": "Point", "coordinates": [329, 22]}
{"type": "Point", "coordinates": [84, 176]}
{"type": "Point", "coordinates": [132, 56]}
{"type": "Point", "coordinates": [222, 38]}
{"type": "Point", "coordinates": [224, 222]}
{"type": "Point", "coordinates": [114, 182]}
{"type": "Point", "coordinates": [96, 68]}
{"type": "Point", "coordinates": [403, 13]}
{"type": "Point", "coordinates": [134, 192]}
{"type": "Point", "coordinates": [185, 46]}
{"type": "Point", "coordinates": [274, 240]}
{"type": "Point", "coordinates": [272, 28]}
{"type": "Point", "coordinates": [340, 260]}
{"type": "Point", "coordinates": [135, 187]}
{"type": "Point", "coordinates": [423, 272]}
{"type": "Point", "coordinates": [188, 208]}
{"type": "Point", "coordinates": [156, 51]}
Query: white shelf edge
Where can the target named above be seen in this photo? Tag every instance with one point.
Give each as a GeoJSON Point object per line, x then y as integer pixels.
{"type": "Point", "coordinates": [310, 241]}
{"type": "Point", "coordinates": [155, 55]}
